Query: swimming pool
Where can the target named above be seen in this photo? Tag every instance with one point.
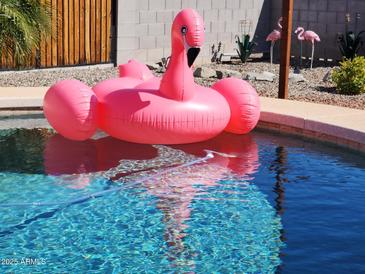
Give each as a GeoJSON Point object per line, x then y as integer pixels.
{"type": "Point", "coordinates": [283, 204]}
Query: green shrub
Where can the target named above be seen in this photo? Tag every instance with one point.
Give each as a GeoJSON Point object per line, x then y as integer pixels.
{"type": "Point", "coordinates": [350, 77]}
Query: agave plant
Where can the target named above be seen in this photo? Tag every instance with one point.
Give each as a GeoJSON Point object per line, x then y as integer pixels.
{"type": "Point", "coordinates": [22, 23]}
{"type": "Point", "coordinates": [350, 43]}
{"type": "Point", "coordinates": [245, 47]}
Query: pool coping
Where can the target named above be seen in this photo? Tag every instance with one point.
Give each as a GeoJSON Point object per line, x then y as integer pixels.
{"type": "Point", "coordinates": [339, 125]}
{"type": "Point", "coordinates": [332, 124]}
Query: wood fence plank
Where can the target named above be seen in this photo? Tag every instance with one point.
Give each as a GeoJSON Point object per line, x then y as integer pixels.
{"type": "Point", "coordinates": [77, 31]}
{"type": "Point", "coordinates": [103, 31]}
{"type": "Point", "coordinates": [43, 48]}
{"type": "Point", "coordinates": [3, 60]}
{"type": "Point", "coordinates": [108, 29]}
{"type": "Point", "coordinates": [66, 59]}
{"type": "Point", "coordinates": [43, 52]}
{"type": "Point", "coordinates": [71, 30]}
{"type": "Point", "coordinates": [82, 31]}
{"type": "Point", "coordinates": [97, 31]}
{"type": "Point", "coordinates": [87, 32]}
{"type": "Point", "coordinates": [48, 51]}
{"type": "Point", "coordinates": [81, 34]}
{"type": "Point", "coordinates": [33, 60]}
{"type": "Point", "coordinates": [9, 60]}
{"type": "Point", "coordinates": [54, 33]}
{"type": "Point", "coordinates": [49, 40]}
{"type": "Point", "coordinates": [59, 32]}
{"type": "Point", "coordinates": [92, 30]}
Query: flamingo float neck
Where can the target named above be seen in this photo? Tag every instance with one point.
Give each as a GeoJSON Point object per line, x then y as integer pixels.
{"type": "Point", "coordinates": [187, 36]}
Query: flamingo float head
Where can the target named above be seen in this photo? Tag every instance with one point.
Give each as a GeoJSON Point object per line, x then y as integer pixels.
{"type": "Point", "coordinates": [188, 33]}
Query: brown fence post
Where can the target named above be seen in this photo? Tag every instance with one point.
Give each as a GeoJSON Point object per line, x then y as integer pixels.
{"type": "Point", "coordinates": [287, 13]}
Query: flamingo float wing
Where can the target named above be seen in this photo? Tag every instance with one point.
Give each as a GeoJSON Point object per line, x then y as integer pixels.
{"type": "Point", "coordinates": [244, 104]}
{"type": "Point", "coordinates": [135, 69]}
{"type": "Point", "coordinates": [71, 108]}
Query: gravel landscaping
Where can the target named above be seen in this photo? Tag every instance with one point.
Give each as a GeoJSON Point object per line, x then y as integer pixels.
{"type": "Point", "coordinates": [314, 89]}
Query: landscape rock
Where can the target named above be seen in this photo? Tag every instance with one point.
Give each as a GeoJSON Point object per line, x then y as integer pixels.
{"type": "Point", "coordinates": [264, 76]}
{"type": "Point", "coordinates": [296, 78]}
{"type": "Point", "coordinates": [327, 77]}
{"type": "Point", "coordinates": [204, 72]}
{"type": "Point", "coordinates": [225, 58]}
{"type": "Point", "coordinates": [224, 73]}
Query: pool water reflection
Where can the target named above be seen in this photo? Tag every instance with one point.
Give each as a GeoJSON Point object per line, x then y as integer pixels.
{"type": "Point", "coordinates": [242, 214]}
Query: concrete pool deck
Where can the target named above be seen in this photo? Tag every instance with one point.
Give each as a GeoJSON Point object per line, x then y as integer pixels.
{"type": "Point", "coordinates": [339, 125]}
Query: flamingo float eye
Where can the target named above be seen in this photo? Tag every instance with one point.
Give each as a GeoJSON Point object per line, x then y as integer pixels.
{"type": "Point", "coordinates": [184, 30]}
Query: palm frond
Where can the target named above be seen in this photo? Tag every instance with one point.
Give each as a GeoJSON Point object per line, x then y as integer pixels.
{"type": "Point", "coordinates": [22, 23]}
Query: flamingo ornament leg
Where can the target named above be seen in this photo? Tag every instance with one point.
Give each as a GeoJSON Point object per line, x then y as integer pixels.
{"type": "Point", "coordinates": [300, 54]}
{"type": "Point", "coordinates": [312, 55]}
{"type": "Point", "coordinates": [272, 51]}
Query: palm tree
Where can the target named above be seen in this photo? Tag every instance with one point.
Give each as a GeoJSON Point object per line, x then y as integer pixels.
{"type": "Point", "coordinates": [22, 23]}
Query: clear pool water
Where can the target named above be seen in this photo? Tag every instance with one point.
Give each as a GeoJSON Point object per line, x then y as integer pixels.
{"type": "Point", "coordinates": [282, 205]}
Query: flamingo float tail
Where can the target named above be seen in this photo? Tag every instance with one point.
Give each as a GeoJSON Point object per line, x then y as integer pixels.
{"type": "Point", "coordinates": [135, 69]}
{"type": "Point", "coordinates": [78, 104]}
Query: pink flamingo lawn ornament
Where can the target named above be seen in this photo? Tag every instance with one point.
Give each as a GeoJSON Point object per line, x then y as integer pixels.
{"type": "Point", "coordinates": [307, 36]}
{"type": "Point", "coordinates": [139, 107]}
{"type": "Point", "coordinates": [273, 37]}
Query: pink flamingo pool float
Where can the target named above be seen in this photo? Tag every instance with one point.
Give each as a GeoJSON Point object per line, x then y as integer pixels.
{"type": "Point", "coordinates": [139, 107]}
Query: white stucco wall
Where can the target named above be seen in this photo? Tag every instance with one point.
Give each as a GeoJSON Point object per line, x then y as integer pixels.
{"type": "Point", "coordinates": [143, 26]}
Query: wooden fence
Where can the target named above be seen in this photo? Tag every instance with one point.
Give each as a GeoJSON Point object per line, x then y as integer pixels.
{"type": "Point", "coordinates": [81, 35]}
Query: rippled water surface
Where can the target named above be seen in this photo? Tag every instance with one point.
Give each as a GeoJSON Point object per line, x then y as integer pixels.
{"type": "Point", "coordinates": [281, 205]}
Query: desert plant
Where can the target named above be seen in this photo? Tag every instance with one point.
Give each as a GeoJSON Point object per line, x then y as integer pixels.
{"type": "Point", "coordinates": [216, 53]}
{"type": "Point", "coordinates": [22, 23]}
{"type": "Point", "coordinates": [350, 77]}
{"type": "Point", "coordinates": [245, 47]}
{"type": "Point", "coordinates": [164, 62]}
{"type": "Point", "coordinates": [350, 43]}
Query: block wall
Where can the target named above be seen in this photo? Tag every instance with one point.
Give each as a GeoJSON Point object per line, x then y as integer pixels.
{"type": "Point", "coordinates": [143, 27]}
{"type": "Point", "coordinates": [325, 17]}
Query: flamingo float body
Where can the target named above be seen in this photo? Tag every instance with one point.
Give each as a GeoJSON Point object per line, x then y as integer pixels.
{"type": "Point", "coordinates": [139, 107]}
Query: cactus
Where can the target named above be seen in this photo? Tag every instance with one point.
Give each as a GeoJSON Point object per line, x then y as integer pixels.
{"type": "Point", "coordinates": [164, 62]}
{"type": "Point", "coordinates": [245, 47]}
{"type": "Point", "coordinates": [216, 53]}
{"type": "Point", "coordinates": [350, 43]}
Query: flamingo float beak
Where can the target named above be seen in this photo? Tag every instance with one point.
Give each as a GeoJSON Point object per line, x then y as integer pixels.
{"type": "Point", "coordinates": [192, 52]}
